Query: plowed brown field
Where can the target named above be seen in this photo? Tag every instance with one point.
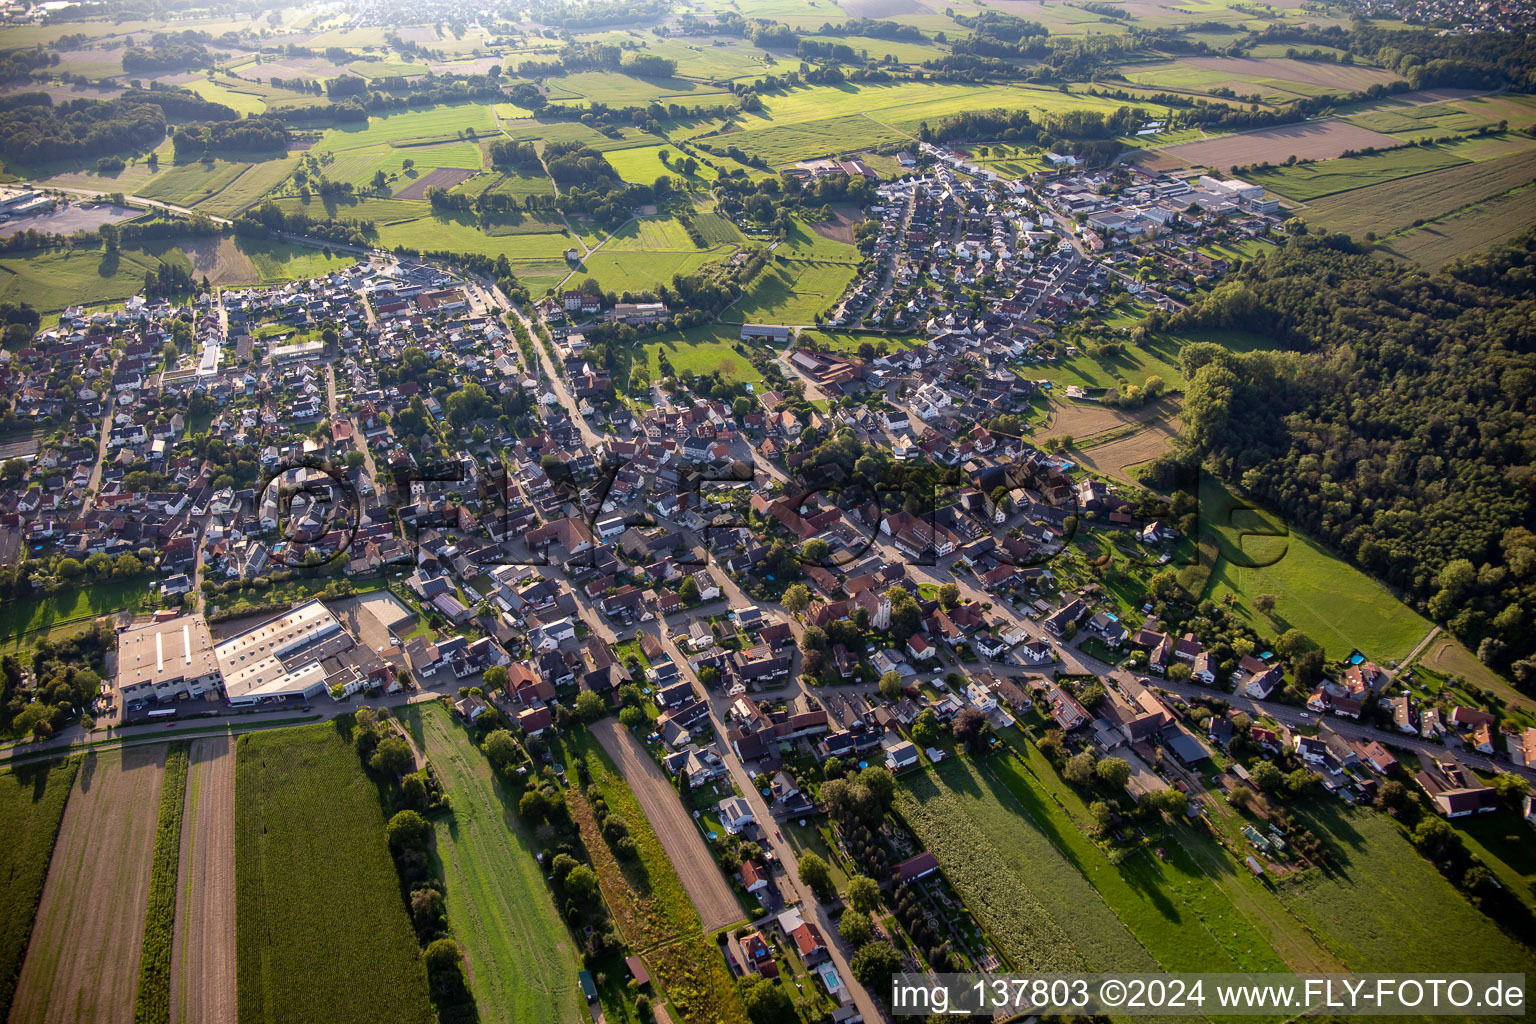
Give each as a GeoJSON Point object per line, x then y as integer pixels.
{"type": "Point", "coordinates": [83, 961]}
{"type": "Point", "coordinates": [203, 953]}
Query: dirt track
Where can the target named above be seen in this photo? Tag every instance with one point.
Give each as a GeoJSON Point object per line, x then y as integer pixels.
{"type": "Point", "coordinates": [711, 896]}
{"type": "Point", "coordinates": [83, 961]}
{"type": "Point", "coordinates": [203, 952]}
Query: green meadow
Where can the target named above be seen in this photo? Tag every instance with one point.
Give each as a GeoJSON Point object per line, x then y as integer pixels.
{"type": "Point", "coordinates": [522, 960]}
{"type": "Point", "coordinates": [1337, 605]}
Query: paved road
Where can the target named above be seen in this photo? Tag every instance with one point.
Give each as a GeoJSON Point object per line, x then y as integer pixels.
{"type": "Point", "coordinates": [153, 204]}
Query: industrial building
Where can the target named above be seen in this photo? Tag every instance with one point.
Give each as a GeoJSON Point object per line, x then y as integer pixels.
{"type": "Point", "coordinates": [300, 654]}
{"type": "Point", "coordinates": [170, 659]}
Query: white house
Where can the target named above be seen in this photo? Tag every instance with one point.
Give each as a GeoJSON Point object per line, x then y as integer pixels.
{"type": "Point", "coordinates": [735, 814]}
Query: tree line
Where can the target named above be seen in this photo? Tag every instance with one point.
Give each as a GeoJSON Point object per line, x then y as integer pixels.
{"type": "Point", "coordinates": [1394, 423]}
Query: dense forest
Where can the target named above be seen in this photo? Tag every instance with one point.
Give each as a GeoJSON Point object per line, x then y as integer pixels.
{"type": "Point", "coordinates": [1398, 427]}
{"type": "Point", "coordinates": [79, 128]}
{"type": "Point", "coordinates": [222, 138]}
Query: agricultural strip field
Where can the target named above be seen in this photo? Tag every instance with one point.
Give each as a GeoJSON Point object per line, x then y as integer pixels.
{"type": "Point", "coordinates": [83, 961]}
{"type": "Point", "coordinates": [1116, 458]}
{"type": "Point", "coordinates": [359, 166]}
{"type": "Point", "coordinates": [522, 962]}
{"type": "Point", "coordinates": [1049, 897]}
{"type": "Point", "coordinates": [684, 847]}
{"type": "Point", "coordinates": [1468, 231]}
{"type": "Point", "coordinates": [32, 802]}
{"type": "Point", "coordinates": [785, 144]}
{"type": "Point", "coordinates": [203, 952]}
{"type": "Point", "coordinates": [444, 123]}
{"type": "Point", "coordinates": [1312, 181]}
{"type": "Point", "coordinates": [1305, 182]}
{"type": "Point", "coordinates": [1385, 907]}
{"type": "Point", "coordinates": [431, 233]}
{"type": "Point", "coordinates": [1310, 140]}
{"type": "Point", "coordinates": [1337, 605]}
{"type": "Point", "coordinates": [244, 191]}
{"type": "Point", "coordinates": [442, 177]}
{"type": "Point", "coordinates": [306, 815]}
{"type": "Point", "coordinates": [154, 998]}
{"type": "Point", "coordinates": [1250, 74]}
{"type": "Point", "coordinates": [1392, 207]}
{"type": "Point", "coordinates": [647, 899]}
{"type": "Point", "coordinates": [1411, 121]}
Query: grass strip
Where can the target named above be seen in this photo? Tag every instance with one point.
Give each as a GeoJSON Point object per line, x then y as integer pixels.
{"type": "Point", "coordinates": [153, 1002]}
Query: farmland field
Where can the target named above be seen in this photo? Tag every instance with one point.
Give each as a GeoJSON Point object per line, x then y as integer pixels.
{"type": "Point", "coordinates": [1394, 206]}
{"type": "Point", "coordinates": [276, 262]}
{"type": "Point", "coordinates": [1026, 891]}
{"type": "Point", "coordinates": [1467, 231]}
{"type": "Point", "coordinates": [647, 899]}
{"type": "Point", "coordinates": [1274, 75]}
{"type": "Point", "coordinates": [70, 605]}
{"type": "Point", "coordinates": [32, 803]}
{"type": "Point", "coordinates": [359, 165]}
{"type": "Point", "coordinates": [522, 961]}
{"type": "Point", "coordinates": [445, 178]}
{"type": "Point", "coordinates": [203, 952]}
{"type": "Point", "coordinates": [651, 234]}
{"type": "Point", "coordinates": [784, 144]}
{"type": "Point", "coordinates": [304, 810]}
{"type": "Point", "coordinates": [1337, 605]}
{"type": "Point", "coordinates": [1416, 120]}
{"type": "Point", "coordinates": [522, 185]}
{"type": "Point", "coordinates": [1311, 140]}
{"type": "Point", "coordinates": [434, 233]}
{"type": "Point", "coordinates": [1307, 182]}
{"type": "Point", "coordinates": [1386, 908]}
{"type": "Point", "coordinates": [633, 271]}
{"type": "Point", "coordinates": [83, 960]}
{"type": "Point", "coordinates": [1312, 181]}
{"type": "Point", "coordinates": [685, 849]}
{"type": "Point", "coordinates": [53, 280]}
{"type": "Point", "coordinates": [155, 980]}
{"type": "Point", "coordinates": [1033, 852]}
{"type": "Point", "coordinates": [442, 123]}
{"type": "Point", "coordinates": [642, 164]}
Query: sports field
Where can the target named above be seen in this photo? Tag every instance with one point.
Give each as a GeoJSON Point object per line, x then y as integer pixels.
{"type": "Point", "coordinates": [313, 872]}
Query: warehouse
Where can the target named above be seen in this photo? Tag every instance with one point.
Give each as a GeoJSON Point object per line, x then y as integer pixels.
{"type": "Point", "coordinates": [300, 654]}
{"type": "Point", "coordinates": [170, 659]}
